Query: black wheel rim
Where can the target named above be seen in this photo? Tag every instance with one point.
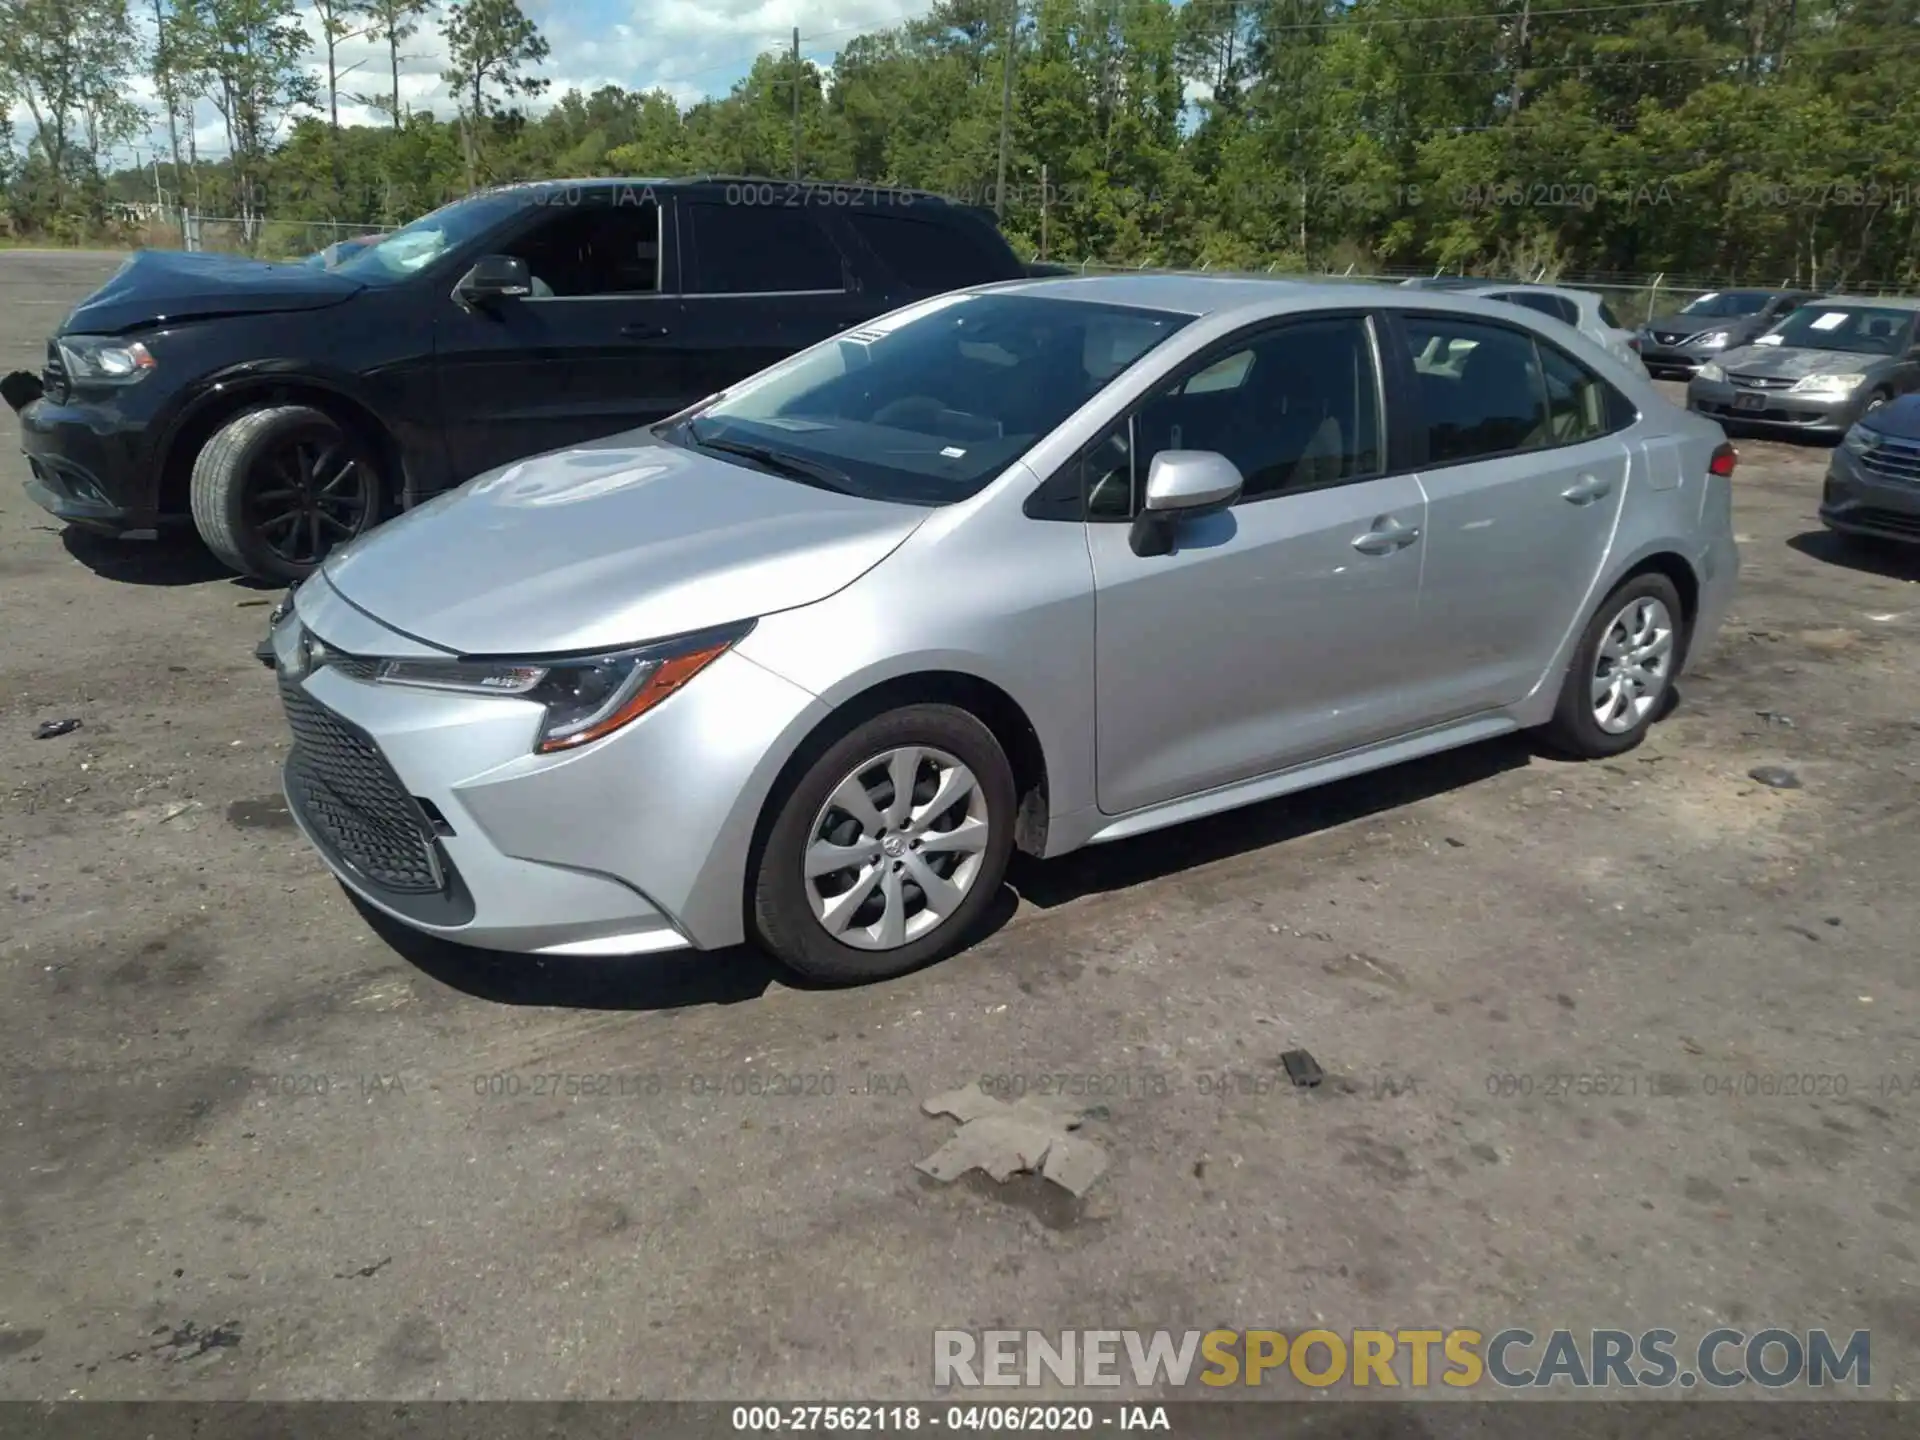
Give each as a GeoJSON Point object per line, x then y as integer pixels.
{"type": "Point", "coordinates": [308, 494]}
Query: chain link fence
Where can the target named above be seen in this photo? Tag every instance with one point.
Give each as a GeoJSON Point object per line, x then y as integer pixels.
{"type": "Point", "coordinates": [259, 236]}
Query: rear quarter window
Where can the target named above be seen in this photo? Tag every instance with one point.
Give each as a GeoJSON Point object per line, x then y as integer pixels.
{"type": "Point", "coordinates": [928, 254]}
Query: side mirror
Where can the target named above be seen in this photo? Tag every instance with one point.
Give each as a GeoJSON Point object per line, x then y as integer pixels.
{"type": "Point", "coordinates": [1182, 485]}
{"type": "Point", "coordinates": [494, 277]}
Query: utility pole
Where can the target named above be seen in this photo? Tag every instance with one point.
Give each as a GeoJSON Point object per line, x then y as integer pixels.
{"type": "Point", "coordinates": [796, 102]}
{"type": "Point", "coordinates": [163, 62]}
{"type": "Point", "coordinates": [1045, 195]}
{"type": "Point", "coordinates": [1519, 58]}
{"type": "Point", "coordinates": [1006, 109]}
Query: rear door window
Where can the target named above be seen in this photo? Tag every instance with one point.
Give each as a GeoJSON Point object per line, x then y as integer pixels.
{"type": "Point", "coordinates": [1480, 388]}
{"type": "Point", "coordinates": [758, 250]}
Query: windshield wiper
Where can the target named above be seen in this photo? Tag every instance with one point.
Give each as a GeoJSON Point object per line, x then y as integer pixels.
{"type": "Point", "coordinates": [792, 466]}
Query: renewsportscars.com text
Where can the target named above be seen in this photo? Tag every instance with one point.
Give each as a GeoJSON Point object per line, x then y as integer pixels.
{"type": "Point", "coordinates": [1514, 1358]}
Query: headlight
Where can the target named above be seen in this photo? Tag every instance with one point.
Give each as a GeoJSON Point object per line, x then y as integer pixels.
{"type": "Point", "coordinates": [103, 359]}
{"type": "Point", "coordinates": [1859, 439]}
{"type": "Point", "coordinates": [1711, 371]}
{"type": "Point", "coordinates": [1829, 384]}
{"type": "Point", "coordinates": [586, 697]}
{"type": "Point", "coordinates": [1712, 340]}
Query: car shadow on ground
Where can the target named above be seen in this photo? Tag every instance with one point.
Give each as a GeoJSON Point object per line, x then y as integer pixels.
{"type": "Point", "coordinates": [172, 560]}
{"type": "Point", "coordinates": [680, 979]}
{"type": "Point", "coordinates": [1885, 558]}
{"type": "Point", "coordinates": [1126, 863]}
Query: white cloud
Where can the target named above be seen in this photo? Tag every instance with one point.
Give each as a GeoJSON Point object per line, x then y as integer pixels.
{"type": "Point", "coordinates": [692, 49]}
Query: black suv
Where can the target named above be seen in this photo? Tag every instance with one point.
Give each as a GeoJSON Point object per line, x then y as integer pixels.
{"type": "Point", "coordinates": [1676, 346]}
{"type": "Point", "coordinates": [286, 408]}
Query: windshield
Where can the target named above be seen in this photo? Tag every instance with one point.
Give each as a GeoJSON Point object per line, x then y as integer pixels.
{"type": "Point", "coordinates": [1727, 303]}
{"type": "Point", "coordinates": [1859, 330]}
{"type": "Point", "coordinates": [926, 405]}
{"type": "Point", "coordinates": [414, 247]}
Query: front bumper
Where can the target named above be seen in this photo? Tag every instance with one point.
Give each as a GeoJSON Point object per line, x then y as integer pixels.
{"type": "Point", "coordinates": [638, 842]}
{"type": "Point", "coordinates": [1779, 410]}
{"type": "Point", "coordinates": [1665, 363]}
{"type": "Point", "coordinates": [1880, 500]}
{"type": "Point", "coordinates": [89, 467]}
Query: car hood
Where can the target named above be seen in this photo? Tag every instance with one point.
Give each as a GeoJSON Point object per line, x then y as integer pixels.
{"type": "Point", "coordinates": [1787, 362]}
{"type": "Point", "coordinates": [1899, 419]}
{"type": "Point", "coordinates": [611, 544]}
{"type": "Point", "coordinates": [159, 286]}
{"type": "Point", "coordinates": [1699, 324]}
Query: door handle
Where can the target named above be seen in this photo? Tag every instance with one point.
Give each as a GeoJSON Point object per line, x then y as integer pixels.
{"type": "Point", "coordinates": [640, 330]}
{"type": "Point", "coordinates": [1387, 536]}
{"type": "Point", "coordinates": [1586, 490]}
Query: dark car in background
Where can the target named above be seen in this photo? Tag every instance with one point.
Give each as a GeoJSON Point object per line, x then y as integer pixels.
{"type": "Point", "coordinates": [287, 408]}
{"type": "Point", "coordinates": [1872, 489]}
{"type": "Point", "coordinates": [1817, 371]}
{"type": "Point", "coordinates": [1675, 346]}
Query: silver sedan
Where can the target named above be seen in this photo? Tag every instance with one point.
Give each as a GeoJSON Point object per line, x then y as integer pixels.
{"type": "Point", "coordinates": [1039, 565]}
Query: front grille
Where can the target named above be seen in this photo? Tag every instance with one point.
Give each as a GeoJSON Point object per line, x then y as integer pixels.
{"type": "Point", "coordinates": [53, 375]}
{"type": "Point", "coordinates": [1896, 460]}
{"type": "Point", "coordinates": [1890, 520]}
{"type": "Point", "coordinates": [345, 789]}
{"type": "Point", "coordinates": [1763, 382]}
{"type": "Point", "coordinates": [1669, 339]}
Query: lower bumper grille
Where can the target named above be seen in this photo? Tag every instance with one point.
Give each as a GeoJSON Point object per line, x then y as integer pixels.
{"type": "Point", "coordinates": [1894, 522]}
{"type": "Point", "coordinates": [346, 791]}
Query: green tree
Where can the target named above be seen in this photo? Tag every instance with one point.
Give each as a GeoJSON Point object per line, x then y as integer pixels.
{"type": "Point", "coordinates": [490, 46]}
{"type": "Point", "coordinates": [255, 53]}
{"type": "Point", "coordinates": [68, 62]}
{"type": "Point", "coordinates": [392, 23]}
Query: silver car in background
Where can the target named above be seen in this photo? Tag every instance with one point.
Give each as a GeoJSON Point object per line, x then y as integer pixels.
{"type": "Point", "coordinates": [1044, 564]}
{"type": "Point", "coordinates": [1585, 310]}
{"type": "Point", "coordinates": [1817, 371]}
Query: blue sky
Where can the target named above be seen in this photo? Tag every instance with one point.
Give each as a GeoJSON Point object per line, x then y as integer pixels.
{"type": "Point", "coordinates": [691, 48]}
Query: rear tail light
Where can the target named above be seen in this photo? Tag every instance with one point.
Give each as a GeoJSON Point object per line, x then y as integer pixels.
{"type": "Point", "coordinates": [1722, 462]}
{"type": "Point", "coordinates": [1633, 343]}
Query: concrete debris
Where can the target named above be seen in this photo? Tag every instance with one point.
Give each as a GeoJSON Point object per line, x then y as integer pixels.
{"type": "Point", "coordinates": [1004, 1140]}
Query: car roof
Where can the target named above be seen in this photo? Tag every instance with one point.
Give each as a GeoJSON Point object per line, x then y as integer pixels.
{"type": "Point", "coordinates": [684, 182]}
{"type": "Point", "coordinates": [1207, 295]}
{"type": "Point", "coordinates": [1518, 289]}
{"type": "Point", "coordinates": [1877, 302]}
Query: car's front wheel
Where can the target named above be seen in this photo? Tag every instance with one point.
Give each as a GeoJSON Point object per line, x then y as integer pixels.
{"type": "Point", "coordinates": [275, 489]}
{"type": "Point", "coordinates": [885, 854]}
{"type": "Point", "coordinates": [1622, 671]}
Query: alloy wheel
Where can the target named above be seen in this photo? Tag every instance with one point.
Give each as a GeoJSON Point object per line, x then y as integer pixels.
{"type": "Point", "coordinates": [1633, 666]}
{"type": "Point", "coordinates": [309, 493]}
{"type": "Point", "coordinates": [896, 848]}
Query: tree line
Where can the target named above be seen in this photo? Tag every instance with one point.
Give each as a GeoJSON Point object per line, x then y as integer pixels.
{"type": "Point", "coordinates": [1766, 141]}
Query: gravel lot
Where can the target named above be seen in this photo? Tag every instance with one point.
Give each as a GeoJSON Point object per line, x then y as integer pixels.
{"type": "Point", "coordinates": [253, 1149]}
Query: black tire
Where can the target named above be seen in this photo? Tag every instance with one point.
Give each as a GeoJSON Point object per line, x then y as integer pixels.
{"type": "Point", "coordinates": [782, 914]}
{"type": "Point", "coordinates": [245, 524]}
{"type": "Point", "coordinates": [1574, 730]}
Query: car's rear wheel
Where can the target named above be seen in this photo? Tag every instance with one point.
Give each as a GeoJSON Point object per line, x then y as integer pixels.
{"type": "Point", "coordinates": [1621, 676]}
{"type": "Point", "coordinates": [887, 851]}
{"type": "Point", "coordinates": [275, 489]}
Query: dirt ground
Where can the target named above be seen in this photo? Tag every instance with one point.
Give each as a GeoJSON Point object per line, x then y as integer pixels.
{"type": "Point", "coordinates": [253, 1149]}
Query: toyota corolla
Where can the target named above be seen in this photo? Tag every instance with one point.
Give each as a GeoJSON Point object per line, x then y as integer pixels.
{"type": "Point", "coordinates": [1039, 565]}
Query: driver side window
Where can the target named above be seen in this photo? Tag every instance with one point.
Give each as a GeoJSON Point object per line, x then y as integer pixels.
{"type": "Point", "coordinates": [597, 247]}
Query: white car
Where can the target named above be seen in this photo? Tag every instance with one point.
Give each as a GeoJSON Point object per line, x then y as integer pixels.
{"type": "Point", "coordinates": [1584, 310]}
